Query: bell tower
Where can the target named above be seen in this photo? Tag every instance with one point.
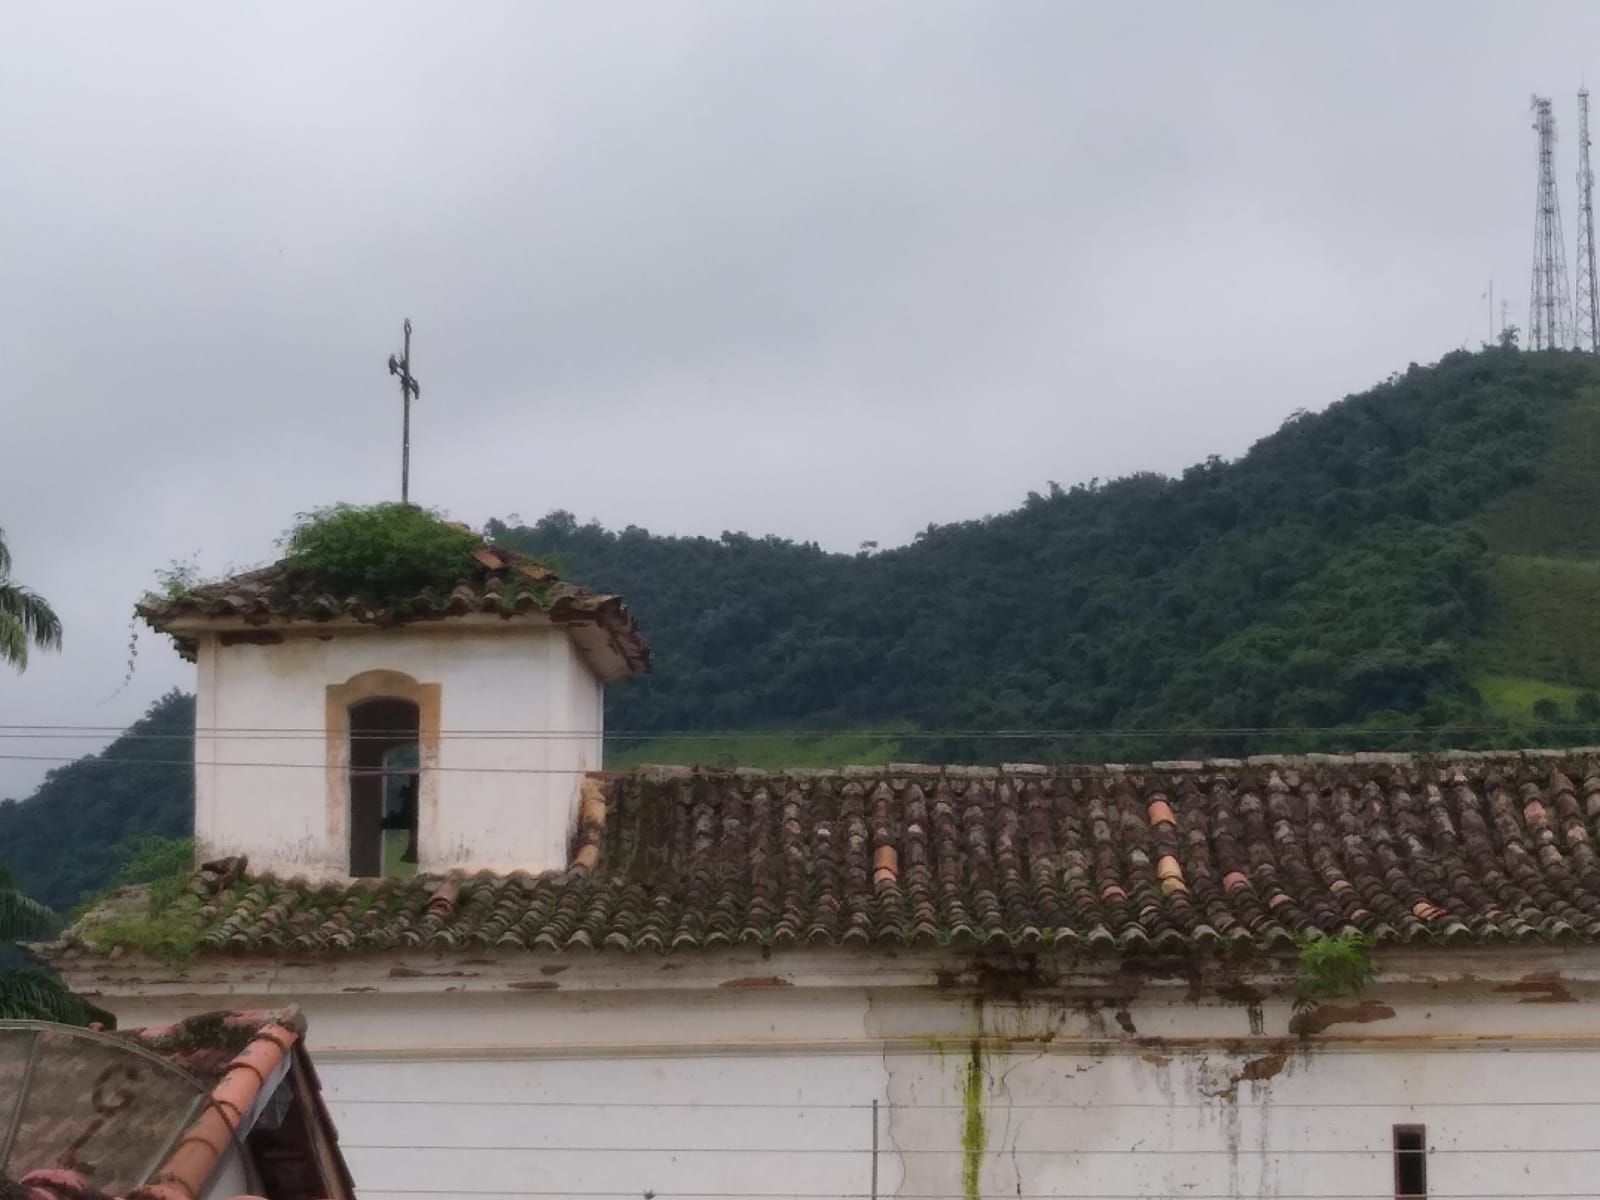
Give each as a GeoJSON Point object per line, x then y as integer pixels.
{"type": "Point", "coordinates": [444, 730]}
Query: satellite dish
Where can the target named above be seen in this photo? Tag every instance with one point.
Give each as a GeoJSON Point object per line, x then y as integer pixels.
{"type": "Point", "coordinates": [94, 1104]}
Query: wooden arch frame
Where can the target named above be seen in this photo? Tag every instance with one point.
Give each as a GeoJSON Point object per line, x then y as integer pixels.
{"type": "Point", "coordinates": [381, 685]}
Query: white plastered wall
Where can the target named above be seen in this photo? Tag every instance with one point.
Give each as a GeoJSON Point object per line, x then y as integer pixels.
{"type": "Point", "coordinates": [770, 1092]}
{"type": "Point", "coordinates": [520, 720]}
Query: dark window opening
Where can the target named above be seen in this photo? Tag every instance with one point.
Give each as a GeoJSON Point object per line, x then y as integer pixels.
{"type": "Point", "coordinates": [1410, 1162]}
{"type": "Point", "coordinates": [383, 788]}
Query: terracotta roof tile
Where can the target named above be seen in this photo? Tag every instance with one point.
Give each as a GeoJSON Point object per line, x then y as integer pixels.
{"type": "Point", "coordinates": [93, 1118]}
{"type": "Point", "coordinates": [503, 584]}
{"type": "Point", "coordinates": [1185, 857]}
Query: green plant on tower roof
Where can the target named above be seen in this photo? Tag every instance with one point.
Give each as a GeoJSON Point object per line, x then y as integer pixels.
{"type": "Point", "coordinates": [178, 578]}
{"type": "Point", "coordinates": [380, 552]}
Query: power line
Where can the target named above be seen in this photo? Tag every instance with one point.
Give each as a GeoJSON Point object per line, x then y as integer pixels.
{"type": "Point", "coordinates": [108, 760]}
{"type": "Point", "coordinates": [234, 733]}
{"type": "Point", "coordinates": [927, 1106]}
{"type": "Point", "coordinates": [1010, 1151]}
{"type": "Point", "coordinates": [323, 766]}
{"type": "Point", "coordinates": [1433, 1194]}
{"type": "Point", "coordinates": [291, 766]}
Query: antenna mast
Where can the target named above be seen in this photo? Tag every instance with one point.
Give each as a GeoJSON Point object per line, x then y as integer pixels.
{"type": "Point", "coordinates": [1549, 309]}
{"type": "Point", "coordinates": [1586, 323]}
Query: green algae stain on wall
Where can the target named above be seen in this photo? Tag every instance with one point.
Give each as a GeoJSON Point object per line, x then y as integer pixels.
{"type": "Point", "coordinates": [973, 1133]}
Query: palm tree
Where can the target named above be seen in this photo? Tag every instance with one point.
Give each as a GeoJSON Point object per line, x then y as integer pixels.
{"type": "Point", "coordinates": [25, 619]}
{"type": "Point", "coordinates": [20, 917]}
{"type": "Point", "coordinates": [29, 993]}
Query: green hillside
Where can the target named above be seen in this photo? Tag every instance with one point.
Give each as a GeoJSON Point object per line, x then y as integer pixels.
{"type": "Point", "coordinates": [1543, 639]}
{"type": "Point", "coordinates": [1411, 557]}
{"type": "Point", "coordinates": [71, 835]}
{"type": "Point", "coordinates": [1414, 566]}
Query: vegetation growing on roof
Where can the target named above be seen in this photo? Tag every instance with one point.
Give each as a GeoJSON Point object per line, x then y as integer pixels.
{"type": "Point", "coordinates": [154, 913]}
{"type": "Point", "coordinates": [384, 553]}
{"type": "Point", "coordinates": [177, 578]}
{"type": "Point", "coordinates": [1332, 967]}
{"type": "Point", "coordinates": [164, 864]}
{"type": "Point", "coordinates": [133, 921]}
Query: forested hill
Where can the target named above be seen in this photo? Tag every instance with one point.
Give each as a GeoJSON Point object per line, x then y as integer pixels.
{"type": "Point", "coordinates": [71, 836]}
{"type": "Point", "coordinates": [1416, 566]}
{"type": "Point", "coordinates": [1339, 574]}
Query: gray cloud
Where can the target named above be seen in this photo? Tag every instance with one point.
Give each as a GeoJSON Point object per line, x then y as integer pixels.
{"type": "Point", "coordinates": [831, 270]}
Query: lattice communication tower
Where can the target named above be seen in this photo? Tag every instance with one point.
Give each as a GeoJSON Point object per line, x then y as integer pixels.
{"type": "Point", "coordinates": [1586, 306]}
{"type": "Point", "coordinates": [1549, 306]}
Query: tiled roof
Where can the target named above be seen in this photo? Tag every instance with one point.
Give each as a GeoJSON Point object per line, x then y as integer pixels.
{"type": "Point", "coordinates": [504, 584]}
{"type": "Point", "coordinates": [1171, 858]}
{"type": "Point", "coordinates": [99, 1117]}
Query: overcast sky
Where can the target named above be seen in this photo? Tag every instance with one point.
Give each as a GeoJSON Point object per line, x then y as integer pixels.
{"type": "Point", "coordinates": [832, 270]}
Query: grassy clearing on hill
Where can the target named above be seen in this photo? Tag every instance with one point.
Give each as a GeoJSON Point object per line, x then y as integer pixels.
{"type": "Point", "coordinates": [1513, 697]}
{"type": "Point", "coordinates": [757, 749]}
{"type": "Point", "coordinates": [1545, 620]}
{"type": "Point", "coordinates": [1558, 514]}
{"type": "Point", "coordinates": [1544, 573]}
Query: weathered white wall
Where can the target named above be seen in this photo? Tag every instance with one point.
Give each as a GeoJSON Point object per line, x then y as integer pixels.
{"type": "Point", "coordinates": [756, 1087]}
{"type": "Point", "coordinates": [504, 803]}
{"type": "Point", "coordinates": [1053, 1123]}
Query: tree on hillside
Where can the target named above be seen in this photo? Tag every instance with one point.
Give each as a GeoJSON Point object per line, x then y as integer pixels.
{"type": "Point", "coordinates": [27, 992]}
{"type": "Point", "coordinates": [25, 619]}
{"type": "Point", "coordinates": [1333, 576]}
{"type": "Point", "coordinates": [68, 840]}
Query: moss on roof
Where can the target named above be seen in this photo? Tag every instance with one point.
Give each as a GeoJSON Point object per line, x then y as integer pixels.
{"type": "Point", "coordinates": [390, 565]}
{"type": "Point", "coordinates": [1170, 858]}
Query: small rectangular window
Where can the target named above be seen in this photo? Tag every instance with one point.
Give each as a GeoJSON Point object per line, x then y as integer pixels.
{"type": "Point", "coordinates": [1410, 1162]}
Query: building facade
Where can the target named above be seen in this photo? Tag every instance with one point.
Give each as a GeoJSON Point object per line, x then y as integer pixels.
{"type": "Point", "coordinates": [912, 981]}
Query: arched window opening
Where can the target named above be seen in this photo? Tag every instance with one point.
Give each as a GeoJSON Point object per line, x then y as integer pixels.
{"type": "Point", "coordinates": [383, 787]}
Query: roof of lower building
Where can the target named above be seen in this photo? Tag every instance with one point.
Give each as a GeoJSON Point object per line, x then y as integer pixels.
{"type": "Point", "coordinates": [503, 583]}
{"type": "Point", "coordinates": [1171, 858]}
{"type": "Point", "coordinates": [151, 1113]}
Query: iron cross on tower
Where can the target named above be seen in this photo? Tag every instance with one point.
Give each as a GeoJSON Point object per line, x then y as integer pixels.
{"type": "Point", "coordinates": [409, 391]}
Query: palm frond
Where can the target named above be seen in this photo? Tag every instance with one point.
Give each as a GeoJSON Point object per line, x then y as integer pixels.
{"type": "Point", "coordinates": [13, 643]}
{"type": "Point", "coordinates": [22, 918]}
{"type": "Point", "coordinates": [34, 995]}
{"type": "Point", "coordinates": [26, 619]}
{"type": "Point", "coordinates": [5, 556]}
